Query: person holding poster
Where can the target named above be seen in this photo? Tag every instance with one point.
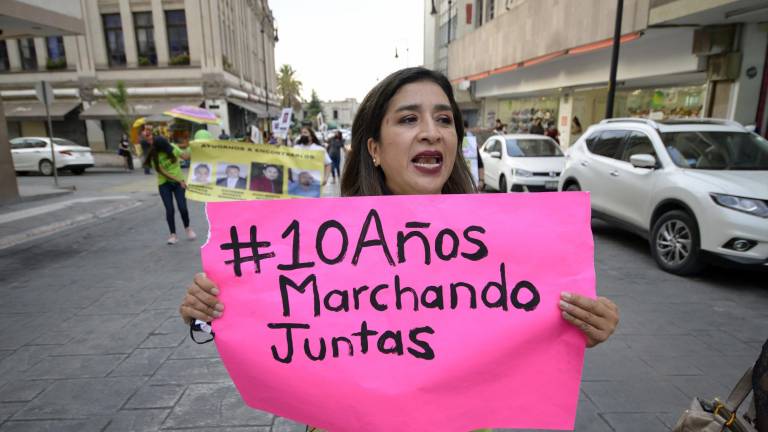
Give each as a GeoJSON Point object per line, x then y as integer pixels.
{"type": "Point", "coordinates": [308, 140]}
{"type": "Point", "coordinates": [406, 142]}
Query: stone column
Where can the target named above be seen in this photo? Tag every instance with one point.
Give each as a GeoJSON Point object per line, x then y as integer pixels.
{"type": "Point", "coordinates": [71, 52]}
{"type": "Point", "coordinates": [93, 43]}
{"type": "Point", "coordinates": [14, 56]}
{"type": "Point", "coordinates": [161, 37]}
{"type": "Point", "coordinates": [563, 120]}
{"type": "Point", "coordinates": [129, 36]}
{"type": "Point", "coordinates": [41, 52]}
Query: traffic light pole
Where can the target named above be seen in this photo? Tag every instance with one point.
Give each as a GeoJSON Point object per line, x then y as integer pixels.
{"type": "Point", "coordinates": [614, 60]}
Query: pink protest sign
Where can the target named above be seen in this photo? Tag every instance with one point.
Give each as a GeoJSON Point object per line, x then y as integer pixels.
{"type": "Point", "coordinates": [403, 313]}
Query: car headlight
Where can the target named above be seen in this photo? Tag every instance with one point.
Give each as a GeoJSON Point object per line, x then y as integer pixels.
{"type": "Point", "coordinates": [523, 173]}
{"type": "Point", "coordinates": [747, 205]}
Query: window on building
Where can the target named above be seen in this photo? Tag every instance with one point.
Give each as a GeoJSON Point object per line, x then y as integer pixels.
{"type": "Point", "coordinates": [4, 63]}
{"type": "Point", "coordinates": [335, 114]}
{"type": "Point", "coordinates": [113, 32]}
{"type": "Point", "coordinates": [444, 34]}
{"type": "Point", "coordinates": [479, 13]}
{"type": "Point", "coordinates": [491, 9]}
{"type": "Point", "coordinates": [145, 38]}
{"type": "Point", "coordinates": [28, 54]}
{"type": "Point", "coordinates": [178, 44]}
{"type": "Point", "coordinates": [57, 58]}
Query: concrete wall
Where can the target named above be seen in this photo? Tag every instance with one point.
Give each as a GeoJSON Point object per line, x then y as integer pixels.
{"type": "Point", "coordinates": [532, 28]}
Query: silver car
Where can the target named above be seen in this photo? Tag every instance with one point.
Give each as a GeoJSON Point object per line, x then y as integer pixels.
{"type": "Point", "coordinates": [34, 154]}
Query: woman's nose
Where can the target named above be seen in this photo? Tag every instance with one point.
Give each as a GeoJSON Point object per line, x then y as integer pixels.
{"type": "Point", "coordinates": [429, 130]}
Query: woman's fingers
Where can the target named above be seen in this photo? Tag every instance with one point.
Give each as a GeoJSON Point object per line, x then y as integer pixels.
{"type": "Point", "coordinates": [596, 318]}
{"type": "Point", "coordinates": [200, 301]}
{"type": "Point", "coordinates": [206, 284]}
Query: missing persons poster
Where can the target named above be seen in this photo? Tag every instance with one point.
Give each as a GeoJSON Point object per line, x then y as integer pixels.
{"type": "Point", "coordinates": [233, 171]}
{"type": "Point", "coordinates": [404, 313]}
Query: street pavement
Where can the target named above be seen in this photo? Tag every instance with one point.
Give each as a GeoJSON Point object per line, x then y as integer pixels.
{"type": "Point", "coordinates": [90, 338]}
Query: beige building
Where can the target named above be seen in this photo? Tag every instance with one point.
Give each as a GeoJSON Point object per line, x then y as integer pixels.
{"type": "Point", "coordinates": [217, 54]}
{"type": "Point", "coordinates": [515, 60]}
{"type": "Point", "coordinates": [339, 113]}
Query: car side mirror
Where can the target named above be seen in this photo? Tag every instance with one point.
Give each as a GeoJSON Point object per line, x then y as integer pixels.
{"type": "Point", "coordinates": [496, 155]}
{"type": "Point", "coordinates": [643, 161]}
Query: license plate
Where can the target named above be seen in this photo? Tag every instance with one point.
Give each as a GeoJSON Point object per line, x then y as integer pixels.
{"type": "Point", "coordinates": [551, 184]}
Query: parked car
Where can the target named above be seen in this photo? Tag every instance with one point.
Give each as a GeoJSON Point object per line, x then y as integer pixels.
{"type": "Point", "coordinates": [522, 163]}
{"type": "Point", "coordinates": [34, 154]}
{"type": "Point", "coordinates": [697, 189]}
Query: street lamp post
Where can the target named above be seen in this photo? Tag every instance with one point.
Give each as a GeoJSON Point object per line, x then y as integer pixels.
{"type": "Point", "coordinates": [614, 60]}
{"type": "Point", "coordinates": [268, 127]}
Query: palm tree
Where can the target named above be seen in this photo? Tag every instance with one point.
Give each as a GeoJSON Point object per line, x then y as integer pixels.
{"type": "Point", "coordinates": [289, 87]}
{"type": "Point", "coordinates": [117, 98]}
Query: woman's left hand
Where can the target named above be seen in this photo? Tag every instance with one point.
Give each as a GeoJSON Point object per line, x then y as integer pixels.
{"type": "Point", "coordinates": [596, 318]}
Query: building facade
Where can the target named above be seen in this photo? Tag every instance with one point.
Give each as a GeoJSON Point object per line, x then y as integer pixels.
{"type": "Point", "coordinates": [216, 54]}
{"type": "Point", "coordinates": [337, 114]}
{"type": "Point", "coordinates": [516, 60]}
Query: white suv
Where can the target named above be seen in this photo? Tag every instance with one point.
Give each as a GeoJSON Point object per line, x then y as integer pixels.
{"type": "Point", "coordinates": [695, 188]}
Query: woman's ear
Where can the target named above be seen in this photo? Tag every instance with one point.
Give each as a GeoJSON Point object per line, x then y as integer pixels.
{"type": "Point", "coordinates": [374, 151]}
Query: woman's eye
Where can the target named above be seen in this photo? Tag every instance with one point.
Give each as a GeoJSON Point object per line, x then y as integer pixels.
{"type": "Point", "coordinates": [448, 120]}
{"type": "Point", "coordinates": [408, 120]}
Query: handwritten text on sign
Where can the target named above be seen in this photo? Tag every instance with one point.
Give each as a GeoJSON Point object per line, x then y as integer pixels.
{"type": "Point", "coordinates": [403, 313]}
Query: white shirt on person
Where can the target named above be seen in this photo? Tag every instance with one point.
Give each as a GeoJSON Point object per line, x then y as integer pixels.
{"type": "Point", "coordinates": [232, 182]}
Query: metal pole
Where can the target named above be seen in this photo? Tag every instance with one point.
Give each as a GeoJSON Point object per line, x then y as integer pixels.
{"type": "Point", "coordinates": [449, 22]}
{"type": "Point", "coordinates": [614, 60]}
{"type": "Point", "coordinates": [50, 133]}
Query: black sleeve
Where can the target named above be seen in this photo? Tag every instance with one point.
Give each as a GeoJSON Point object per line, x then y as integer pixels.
{"type": "Point", "coordinates": [479, 159]}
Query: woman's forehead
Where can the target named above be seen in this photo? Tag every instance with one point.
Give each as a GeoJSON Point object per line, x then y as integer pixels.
{"type": "Point", "coordinates": [424, 93]}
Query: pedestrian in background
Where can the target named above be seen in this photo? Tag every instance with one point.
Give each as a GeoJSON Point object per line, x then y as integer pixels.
{"type": "Point", "coordinates": [308, 140]}
{"type": "Point", "coordinates": [166, 159]}
{"type": "Point", "coordinates": [255, 134]}
{"type": "Point", "coordinates": [335, 147]}
{"type": "Point", "coordinates": [537, 128]}
{"type": "Point", "coordinates": [223, 135]}
{"type": "Point", "coordinates": [146, 134]}
{"type": "Point", "coordinates": [552, 132]}
{"type": "Point", "coordinates": [125, 151]}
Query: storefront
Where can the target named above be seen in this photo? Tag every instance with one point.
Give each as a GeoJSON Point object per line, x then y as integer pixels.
{"type": "Point", "coordinates": [518, 114]}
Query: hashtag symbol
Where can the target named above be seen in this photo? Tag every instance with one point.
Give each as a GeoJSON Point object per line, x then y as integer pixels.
{"type": "Point", "coordinates": [237, 247]}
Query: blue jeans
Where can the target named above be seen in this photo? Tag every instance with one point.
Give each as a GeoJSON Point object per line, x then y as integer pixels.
{"type": "Point", "coordinates": [335, 165]}
{"type": "Point", "coordinates": [168, 190]}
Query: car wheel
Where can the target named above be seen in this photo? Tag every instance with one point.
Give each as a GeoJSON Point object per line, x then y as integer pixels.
{"type": "Point", "coordinates": [78, 171]}
{"type": "Point", "coordinates": [503, 184]}
{"type": "Point", "coordinates": [573, 187]}
{"type": "Point", "coordinates": [45, 167]}
{"type": "Point", "coordinates": [675, 243]}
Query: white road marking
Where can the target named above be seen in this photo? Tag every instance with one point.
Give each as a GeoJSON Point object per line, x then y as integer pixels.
{"type": "Point", "coordinates": [46, 230]}
{"type": "Point", "coordinates": [35, 211]}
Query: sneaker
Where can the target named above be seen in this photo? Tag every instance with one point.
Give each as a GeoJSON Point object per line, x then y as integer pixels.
{"type": "Point", "coordinates": [191, 234]}
{"type": "Point", "coordinates": [172, 240]}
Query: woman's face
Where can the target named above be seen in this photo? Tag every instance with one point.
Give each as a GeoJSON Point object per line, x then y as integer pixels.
{"type": "Point", "coordinates": [271, 173]}
{"type": "Point", "coordinates": [418, 141]}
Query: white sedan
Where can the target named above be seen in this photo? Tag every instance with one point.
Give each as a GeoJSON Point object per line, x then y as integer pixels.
{"type": "Point", "coordinates": [34, 154]}
{"type": "Point", "coordinates": [522, 163]}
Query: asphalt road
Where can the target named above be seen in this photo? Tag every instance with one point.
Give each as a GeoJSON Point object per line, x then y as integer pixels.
{"type": "Point", "coordinates": [90, 338]}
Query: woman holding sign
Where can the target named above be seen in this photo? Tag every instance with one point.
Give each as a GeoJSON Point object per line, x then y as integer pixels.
{"type": "Point", "coordinates": [406, 142]}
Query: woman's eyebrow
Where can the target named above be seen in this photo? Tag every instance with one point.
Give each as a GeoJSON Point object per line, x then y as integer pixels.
{"type": "Point", "coordinates": [417, 107]}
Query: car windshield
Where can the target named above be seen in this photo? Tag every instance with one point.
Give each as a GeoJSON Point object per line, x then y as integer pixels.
{"type": "Point", "coordinates": [532, 148]}
{"type": "Point", "coordinates": [717, 150]}
{"type": "Point", "coordinates": [64, 142]}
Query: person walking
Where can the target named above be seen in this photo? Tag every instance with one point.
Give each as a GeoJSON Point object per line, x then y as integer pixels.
{"type": "Point", "coordinates": [125, 151]}
{"type": "Point", "coordinates": [335, 147]}
{"type": "Point", "coordinates": [308, 140]}
{"type": "Point", "coordinates": [166, 158]}
{"type": "Point", "coordinates": [145, 145]}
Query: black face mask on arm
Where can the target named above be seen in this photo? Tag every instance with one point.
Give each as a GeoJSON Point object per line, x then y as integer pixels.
{"type": "Point", "coordinates": [304, 140]}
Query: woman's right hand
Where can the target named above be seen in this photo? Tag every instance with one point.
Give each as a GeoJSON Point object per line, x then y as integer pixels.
{"type": "Point", "coordinates": [201, 301]}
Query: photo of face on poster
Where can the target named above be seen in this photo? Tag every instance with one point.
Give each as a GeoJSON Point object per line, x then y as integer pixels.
{"type": "Point", "coordinates": [231, 175]}
{"type": "Point", "coordinates": [201, 173]}
{"type": "Point", "coordinates": [267, 178]}
{"type": "Point", "coordinates": [306, 183]}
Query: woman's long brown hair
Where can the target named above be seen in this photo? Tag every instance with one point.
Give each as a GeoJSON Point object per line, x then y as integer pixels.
{"type": "Point", "coordinates": [361, 177]}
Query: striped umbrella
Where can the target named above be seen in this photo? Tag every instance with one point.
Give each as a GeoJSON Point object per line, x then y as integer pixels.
{"type": "Point", "coordinates": [193, 114]}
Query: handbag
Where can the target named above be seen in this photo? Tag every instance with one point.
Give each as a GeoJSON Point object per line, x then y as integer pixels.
{"type": "Point", "coordinates": [718, 416]}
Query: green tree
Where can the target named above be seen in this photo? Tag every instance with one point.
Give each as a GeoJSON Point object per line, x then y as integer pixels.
{"type": "Point", "coordinates": [289, 87]}
{"type": "Point", "coordinates": [314, 107]}
{"type": "Point", "coordinates": [117, 98]}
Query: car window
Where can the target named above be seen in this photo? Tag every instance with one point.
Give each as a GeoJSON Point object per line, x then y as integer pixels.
{"type": "Point", "coordinates": [34, 143]}
{"type": "Point", "coordinates": [492, 146]}
{"type": "Point", "coordinates": [17, 144]}
{"type": "Point", "coordinates": [608, 144]}
{"type": "Point", "coordinates": [532, 148]}
{"type": "Point", "coordinates": [637, 143]}
{"type": "Point", "coordinates": [64, 141]}
{"type": "Point", "coordinates": [717, 150]}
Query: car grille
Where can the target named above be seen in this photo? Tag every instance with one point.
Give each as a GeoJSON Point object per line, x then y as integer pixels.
{"type": "Point", "coordinates": [546, 174]}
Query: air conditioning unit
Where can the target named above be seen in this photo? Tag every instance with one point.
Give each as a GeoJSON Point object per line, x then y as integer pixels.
{"type": "Point", "coordinates": [724, 67]}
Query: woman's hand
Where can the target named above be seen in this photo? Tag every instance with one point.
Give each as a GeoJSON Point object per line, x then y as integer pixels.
{"type": "Point", "coordinates": [201, 301]}
{"type": "Point", "coordinates": [596, 318]}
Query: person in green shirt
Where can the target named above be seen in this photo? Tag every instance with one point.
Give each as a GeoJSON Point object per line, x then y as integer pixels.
{"type": "Point", "coordinates": [166, 158]}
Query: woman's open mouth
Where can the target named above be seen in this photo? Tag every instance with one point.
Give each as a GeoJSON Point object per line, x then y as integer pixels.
{"type": "Point", "coordinates": [428, 162]}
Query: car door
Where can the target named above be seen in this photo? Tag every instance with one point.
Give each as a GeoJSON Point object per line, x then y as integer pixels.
{"type": "Point", "coordinates": [631, 187]}
{"type": "Point", "coordinates": [20, 154]}
{"type": "Point", "coordinates": [38, 150]}
{"type": "Point", "coordinates": [492, 165]}
{"type": "Point", "coordinates": [604, 153]}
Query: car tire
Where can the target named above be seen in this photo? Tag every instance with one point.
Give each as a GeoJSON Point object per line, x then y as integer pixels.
{"type": "Point", "coordinates": [573, 187]}
{"type": "Point", "coordinates": [676, 244]}
{"type": "Point", "coordinates": [78, 171]}
{"type": "Point", "coordinates": [503, 184]}
{"type": "Point", "coordinates": [45, 167]}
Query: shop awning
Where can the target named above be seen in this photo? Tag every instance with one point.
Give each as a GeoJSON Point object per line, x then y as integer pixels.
{"type": "Point", "coordinates": [34, 110]}
{"type": "Point", "coordinates": [258, 108]}
{"type": "Point", "coordinates": [101, 110]}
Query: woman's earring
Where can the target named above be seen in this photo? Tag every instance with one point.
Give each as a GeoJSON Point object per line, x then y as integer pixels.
{"type": "Point", "coordinates": [374, 162]}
